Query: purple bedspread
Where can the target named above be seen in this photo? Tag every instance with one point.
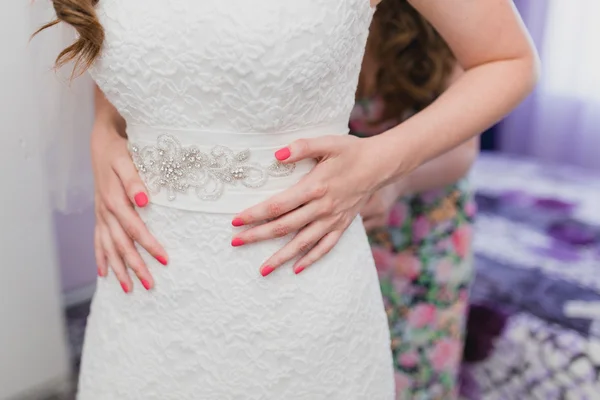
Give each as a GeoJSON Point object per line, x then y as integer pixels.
{"type": "Point", "coordinates": [537, 247]}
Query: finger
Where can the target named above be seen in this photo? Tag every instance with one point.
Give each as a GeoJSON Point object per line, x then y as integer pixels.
{"type": "Point", "coordinates": [135, 228]}
{"type": "Point", "coordinates": [119, 206]}
{"type": "Point", "coordinates": [303, 149]}
{"type": "Point", "coordinates": [319, 251]}
{"type": "Point", "coordinates": [127, 251]}
{"type": "Point", "coordinates": [304, 191]}
{"type": "Point", "coordinates": [115, 261]}
{"type": "Point", "coordinates": [282, 226]}
{"type": "Point", "coordinates": [302, 243]}
{"type": "Point", "coordinates": [131, 180]}
{"type": "Point", "coordinates": [99, 253]}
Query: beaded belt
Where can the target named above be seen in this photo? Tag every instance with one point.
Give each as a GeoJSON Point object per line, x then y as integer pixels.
{"type": "Point", "coordinates": [217, 172]}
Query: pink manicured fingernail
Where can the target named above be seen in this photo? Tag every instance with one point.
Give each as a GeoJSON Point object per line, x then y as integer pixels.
{"type": "Point", "coordinates": [237, 222]}
{"type": "Point", "coordinates": [146, 284]}
{"type": "Point", "coordinates": [125, 287]}
{"type": "Point", "coordinates": [141, 200]}
{"type": "Point", "coordinates": [298, 270]}
{"type": "Point", "coordinates": [162, 260]}
{"type": "Point", "coordinates": [237, 242]}
{"type": "Point", "coordinates": [100, 273]}
{"type": "Point", "coordinates": [267, 270]}
{"type": "Point", "coordinates": [283, 154]}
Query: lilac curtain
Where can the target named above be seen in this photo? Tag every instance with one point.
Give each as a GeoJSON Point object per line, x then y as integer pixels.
{"type": "Point", "coordinates": [560, 121]}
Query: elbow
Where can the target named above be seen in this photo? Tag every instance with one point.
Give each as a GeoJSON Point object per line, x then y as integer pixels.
{"type": "Point", "coordinates": [532, 67]}
{"type": "Point", "coordinates": [462, 160]}
{"type": "Point", "coordinates": [535, 71]}
{"type": "Point", "coordinates": [525, 75]}
{"type": "Point", "coordinates": [470, 152]}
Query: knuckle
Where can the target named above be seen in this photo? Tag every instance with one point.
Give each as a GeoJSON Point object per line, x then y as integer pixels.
{"type": "Point", "coordinates": [132, 258]}
{"type": "Point", "coordinates": [302, 145]}
{"type": "Point", "coordinates": [274, 209]}
{"type": "Point", "coordinates": [319, 190]}
{"type": "Point", "coordinates": [251, 237]}
{"type": "Point", "coordinates": [118, 270]}
{"type": "Point", "coordinates": [152, 248]}
{"type": "Point", "coordinates": [121, 248]}
{"type": "Point", "coordinates": [111, 204]}
{"type": "Point", "coordinates": [121, 274]}
{"type": "Point", "coordinates": [129, 185]}
{"type": "Point", "coordinates": [345, 222]}
{"type": "Point", "coordinates": [97, 206]}
{"type": "Point", "coordinates": [305, 246]}
{"type": "Point", "coordinates": [328, 206]}
{"type": "Point", "coordinates": [131, 230]}
{"type": "Point", "coordinates": [135, 266]}
{"type": "Point", "coordinates": [310, 259]}
{"type": "Point", "coordinates": [281, 230]}
{"type": "Point", "coordinates": [327, 249]}
{"type": "Point", "coordinates": [101, 208]}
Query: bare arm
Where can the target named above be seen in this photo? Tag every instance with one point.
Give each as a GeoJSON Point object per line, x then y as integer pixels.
{"type": "Point", "coordinates": [500, 63]}
{"type": "Point", "coordinates": [437, 173]}
{"type": "Point", "coordinates": [107, 116]}
{"type": "Point", "coordinates": [445, 169]}
{"type": "Point", "coordinates": [500, 66]}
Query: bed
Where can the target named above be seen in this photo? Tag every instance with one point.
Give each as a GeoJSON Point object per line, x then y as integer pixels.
{"type": "Point", "coordinates": [537, 251]}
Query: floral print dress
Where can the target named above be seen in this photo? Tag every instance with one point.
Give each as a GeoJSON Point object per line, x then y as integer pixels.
{"type": "Point", "coordinates": [423, 259]}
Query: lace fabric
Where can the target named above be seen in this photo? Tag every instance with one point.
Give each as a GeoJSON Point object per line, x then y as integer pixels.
{"type": "Point", "coordinates": [213, 328]}
{"type": "Point", "coordinates": [236, 65]}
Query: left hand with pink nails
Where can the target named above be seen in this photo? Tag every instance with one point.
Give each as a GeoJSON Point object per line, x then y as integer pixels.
{"type": "Point", "coordinates": [320, 207]}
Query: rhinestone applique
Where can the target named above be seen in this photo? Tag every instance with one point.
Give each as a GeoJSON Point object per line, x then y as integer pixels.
{"type": "Point", "coordinates": [172, 167]}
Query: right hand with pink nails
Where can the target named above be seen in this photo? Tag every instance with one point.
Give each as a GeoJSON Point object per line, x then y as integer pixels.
{"type": "Point", "coordinates": [118, 188]}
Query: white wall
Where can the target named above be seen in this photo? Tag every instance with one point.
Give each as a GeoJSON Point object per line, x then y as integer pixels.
{"type": "Point", "coordinates": [32, 340]}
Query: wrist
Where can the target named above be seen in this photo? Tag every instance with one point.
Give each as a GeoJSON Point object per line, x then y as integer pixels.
{"type": "Point", "coordinates": [404, 186]}
{"type": "Point", "coordinates": [389, 161]}
{"type": "Point", "coordinates": [103, 134]}
{"type": "Point", "coordinates": [106, 124]}
{"type": "Point", "coordinates": [107, 117]}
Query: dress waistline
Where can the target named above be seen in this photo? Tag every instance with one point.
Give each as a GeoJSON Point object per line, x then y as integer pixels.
{"type": "Point", "coordinates": [217, 172]}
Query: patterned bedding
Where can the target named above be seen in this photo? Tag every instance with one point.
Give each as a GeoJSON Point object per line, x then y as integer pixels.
{"type": "Point", "coordinates": [537, 246]}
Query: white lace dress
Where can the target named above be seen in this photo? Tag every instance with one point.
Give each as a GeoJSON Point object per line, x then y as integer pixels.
{"type": "Point", "coordinates": [210, 90]}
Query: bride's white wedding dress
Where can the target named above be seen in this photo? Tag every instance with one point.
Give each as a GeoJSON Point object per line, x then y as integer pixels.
{"type": "Point", "coordinates": [210, 90]}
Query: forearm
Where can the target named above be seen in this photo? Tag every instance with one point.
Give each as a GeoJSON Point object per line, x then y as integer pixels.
{"type": "Point", "coordinates": [476, 101]}
{"type": "Point", "coordinates": [442, 171]}
{"type": "Point", "coordinates": [106, 115]}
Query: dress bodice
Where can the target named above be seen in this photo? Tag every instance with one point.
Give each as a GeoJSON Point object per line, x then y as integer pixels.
{"type": "Point", "coordinates": [232, 65]}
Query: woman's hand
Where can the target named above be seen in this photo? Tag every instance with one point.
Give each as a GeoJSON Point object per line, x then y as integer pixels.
{"type": "Point", "coordinates": [118, 225]}
{"type": "Point", "coordinates": [375, 213]}
{"type": "Point", "coordinates": [320, 207]}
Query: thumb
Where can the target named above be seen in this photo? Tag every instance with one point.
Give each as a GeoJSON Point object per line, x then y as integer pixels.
{"type": "Point", "coordinates": [307, 148]}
